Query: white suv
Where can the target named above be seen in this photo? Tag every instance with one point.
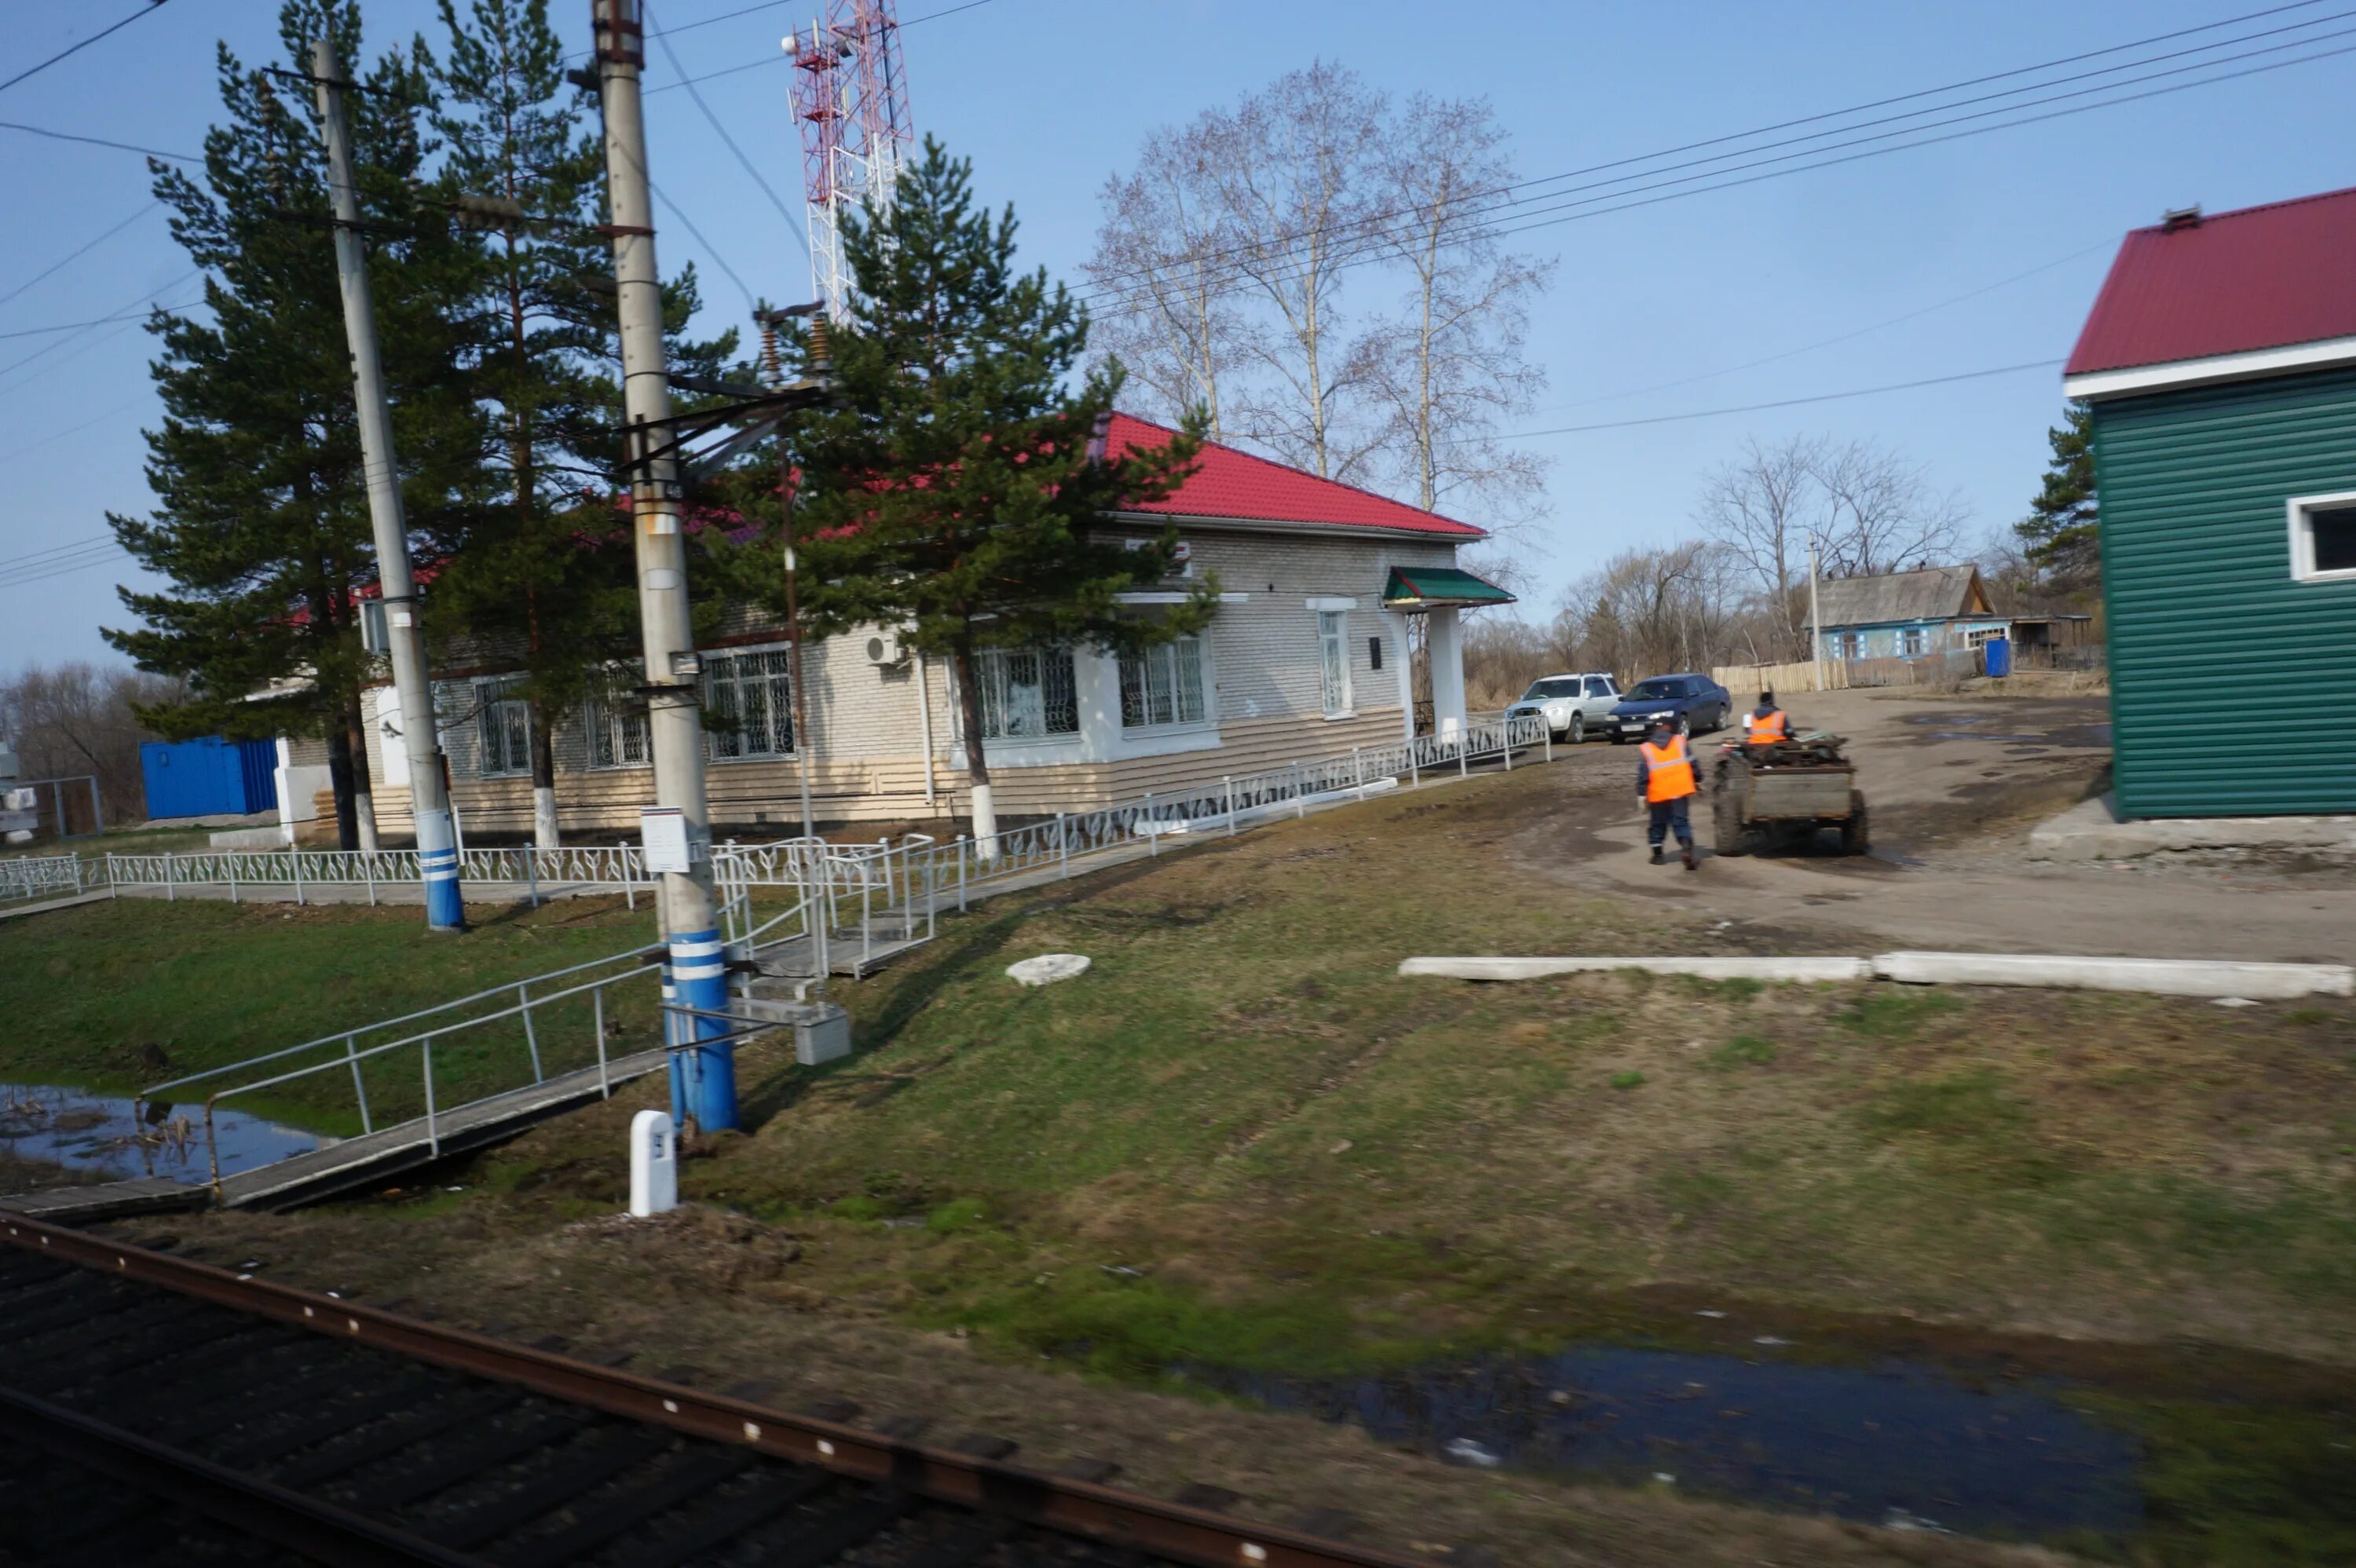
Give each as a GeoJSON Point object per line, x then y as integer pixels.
{"type": "Point", "coordinates": [1573, 705]}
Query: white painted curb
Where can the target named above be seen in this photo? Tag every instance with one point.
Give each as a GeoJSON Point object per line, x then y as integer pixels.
{"type": "Point", "coordinates": [1803, 970]}
{"type": "Point", "coordinates": [2152, 977]}
{"type": "Point", "coordinates": [2156, 976]}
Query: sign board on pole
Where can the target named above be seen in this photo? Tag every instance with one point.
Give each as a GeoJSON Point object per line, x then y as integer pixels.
{"type": "Point", "coordinates": [662, 829]}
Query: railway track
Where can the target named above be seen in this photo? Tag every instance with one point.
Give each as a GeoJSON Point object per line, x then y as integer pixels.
{"type": "Point", "coordinates": [150, 1403]}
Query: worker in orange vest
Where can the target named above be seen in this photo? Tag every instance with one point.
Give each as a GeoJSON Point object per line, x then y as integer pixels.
{"type": "Point", "coordinates": [1666, 787]}
{"type": "Point", "coordinates": [1767, 724]}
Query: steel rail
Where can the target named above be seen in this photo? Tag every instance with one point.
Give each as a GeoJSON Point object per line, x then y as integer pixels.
{"type": "Point", "coordinates": [245, 1502]}
{"type": "Point", "coordinates": [1099, 1513]}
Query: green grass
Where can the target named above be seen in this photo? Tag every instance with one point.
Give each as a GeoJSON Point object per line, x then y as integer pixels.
{"type": "Point", "coordinates": [209, 984]}
{"type": "Point", "coordinates": [1630, 1079]}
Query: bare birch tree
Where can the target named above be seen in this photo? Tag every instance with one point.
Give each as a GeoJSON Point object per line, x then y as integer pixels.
{"type": "Point", "coordinates": [1161, 262]}
{"type": "Point", "coordinates": [1760, 507]}
{"type": "Point", "coordinates": [1295, 165]}
{"type": "Point", "coordinates": [1457, 365]}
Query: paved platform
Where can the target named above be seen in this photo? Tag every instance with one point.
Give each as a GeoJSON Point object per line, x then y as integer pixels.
{"type": "Point", "coordinates": [108, 1200]}
{"type": "Point", "coordinates": [2093, 831]}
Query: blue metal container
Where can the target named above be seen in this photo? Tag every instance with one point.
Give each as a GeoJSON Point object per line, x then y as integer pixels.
{"type": "Point", "coordinates": [1999, 656]}
{"type": "Point", "coordinates": [211, 778]}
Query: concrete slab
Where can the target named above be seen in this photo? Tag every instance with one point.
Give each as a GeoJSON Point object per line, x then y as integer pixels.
{"type": "Point", "coordinates": [2093, 831]}
{"type": "Point", "coordinates": [2152, 977]}
{"type": "Point", "coordinates": [1802, 971]}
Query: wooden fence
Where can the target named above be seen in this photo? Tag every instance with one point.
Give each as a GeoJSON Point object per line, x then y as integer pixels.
{"type": "Point", "coordinates": [1747, 680]}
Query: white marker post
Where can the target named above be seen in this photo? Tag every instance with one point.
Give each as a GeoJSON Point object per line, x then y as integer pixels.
{"type": "Point", "coordinates": [654, 1165]}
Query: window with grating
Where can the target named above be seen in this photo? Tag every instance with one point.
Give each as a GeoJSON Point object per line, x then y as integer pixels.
{"type": "Point", "coordinates": [502, 732]}
{"type": "Point", "coordinates": [1163, 685]}
{"type": "Point", "coordinates": [1026, 693]}
{"type": "Point", "coordinates": [748, 704]}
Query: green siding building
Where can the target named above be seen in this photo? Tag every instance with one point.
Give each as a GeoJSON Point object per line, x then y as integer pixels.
{"type": "Point", "coordinates": [2219, 362]}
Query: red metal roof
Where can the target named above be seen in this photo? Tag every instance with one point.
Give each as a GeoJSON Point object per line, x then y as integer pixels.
{"type": "Point", "coordinates": [2263, 277]}
{"type": "Point", "coordinates": [1231, 484]}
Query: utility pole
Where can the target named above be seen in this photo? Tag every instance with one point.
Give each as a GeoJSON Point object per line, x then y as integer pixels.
{"type": "Point", "coordinates": [805, 754]}
{"type": "Point", "coordinates": [428, 796]}
{"type": "Point", "coordinates": [703, 1077]}
{"type": "Point", "coordinates": [1816, 624]}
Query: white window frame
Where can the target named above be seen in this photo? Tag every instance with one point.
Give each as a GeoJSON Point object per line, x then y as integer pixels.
{"type": "Point", "coordinates": [1334, 662]}
{"type": "Point", "coordinates": [727, 744]}
{"type": "Point", "coordinates": [2302, 535]}
{"type": "Point", "coordinates": [1913, 642]}
{"type": "Point", "coordinates": [1848, 644]}
{"type": "Point", "coordinates": [1168, 659]}
{"type": "Point", "coordinates": [994, 670]}
{"type": "Point", "coordinates": [492, 702]}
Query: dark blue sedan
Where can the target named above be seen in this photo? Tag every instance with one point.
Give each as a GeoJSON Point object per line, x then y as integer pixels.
{"type": "Point", "coordinates": [1693, 704]}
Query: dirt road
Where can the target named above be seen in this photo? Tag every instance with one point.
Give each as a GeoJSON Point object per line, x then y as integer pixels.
{"type": "Point", "coordinates": [1956, 784]}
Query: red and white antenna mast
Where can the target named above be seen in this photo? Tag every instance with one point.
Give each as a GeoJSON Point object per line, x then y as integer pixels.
{"type": "Point", "coordinates": [850, 97]}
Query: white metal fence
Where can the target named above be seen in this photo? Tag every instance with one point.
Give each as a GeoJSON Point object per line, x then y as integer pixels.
{"type": "Point", "coordinates": [881, 881]}
{"type": "Point", "coordinates": [43, 877]}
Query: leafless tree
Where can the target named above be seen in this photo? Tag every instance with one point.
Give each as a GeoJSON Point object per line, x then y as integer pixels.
{"type": "Point", "coordinates": [1161, 253]}
{"type": "Point", "coordinates": [1457, 365]}
{"type": "Point", "coordinates": [1760, 507]}
{"type": "Point", "coordinates": [1295, 167]}
{"type": "Point", "coordinates": [1646, 611]}
{"type": "Point", "coordinates": [1882, 515]}
{"type": "Point", "coordinates": [76, 719]}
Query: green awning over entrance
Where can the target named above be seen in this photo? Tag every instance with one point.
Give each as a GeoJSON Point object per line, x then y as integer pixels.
{"type": "Point", "coordinates": [1439, 588]}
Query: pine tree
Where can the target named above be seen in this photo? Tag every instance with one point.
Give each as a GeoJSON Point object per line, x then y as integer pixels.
{"type": "Point", "coordinates": [951, 491]}
{"type": "Point", "coordinates": [546, 568]}
{"type": "Point", "coordinates": [2061, 535]}
{"type": "Point", "coordinates": [261, 523]}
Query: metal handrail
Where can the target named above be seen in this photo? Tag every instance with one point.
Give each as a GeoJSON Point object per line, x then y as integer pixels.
{"type": "Point", "coordinates": [156, 1089]}
{"type": "Point", "coordinates": [424, 1041]}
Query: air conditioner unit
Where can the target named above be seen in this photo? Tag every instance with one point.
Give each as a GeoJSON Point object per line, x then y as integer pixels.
{"type": "Point", "coordinates": [886, 649]}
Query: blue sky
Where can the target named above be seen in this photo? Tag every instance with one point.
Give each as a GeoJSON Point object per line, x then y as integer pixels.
{"type": "Point", "coordinates": [1050, 96]}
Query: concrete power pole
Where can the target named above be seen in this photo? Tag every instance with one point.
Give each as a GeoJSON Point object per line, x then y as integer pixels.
{"type": "Point", "coordinates": [703, 1080]}
{"type": "Point", "coordinates": [429, 798]}
{"type": "Point", "coordinates": [1816, 624]}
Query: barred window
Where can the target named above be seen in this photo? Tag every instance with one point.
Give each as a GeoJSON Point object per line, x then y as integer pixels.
{"type": "Point", "coordinates": [1163, 684]}
{"type": "Point", "coordinates": [502, 732]}
{"type": "Point", "coordinates": [1026, 693]}
{"type": "Point", "coordinates": [617, 730]}
{"type": "Point", "coordinates": [748, 704]}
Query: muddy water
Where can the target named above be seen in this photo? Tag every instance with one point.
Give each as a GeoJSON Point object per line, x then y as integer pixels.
{"type": "Point", "coordinates": [108, 1137]}
{"type": "Point", "coordinates": [1894, 1442]}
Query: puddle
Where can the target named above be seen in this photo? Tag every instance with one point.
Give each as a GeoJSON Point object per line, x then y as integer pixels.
{"type": "Point", "coordinates": [1891, 1442]}
{"type": "Point", "coordinates": [1985, 735]}
{"type": "Point", "coordinates": [104, 1136]}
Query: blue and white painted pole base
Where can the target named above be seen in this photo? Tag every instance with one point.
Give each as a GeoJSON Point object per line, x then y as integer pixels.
{"type": "Point", "coordinates": [704, 1078]}
{"type": "Point", "coordinates": [437, 864]}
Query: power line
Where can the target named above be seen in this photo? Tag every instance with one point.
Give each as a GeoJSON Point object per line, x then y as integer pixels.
{"type": "Point", "coordinates": [1830, 342]}
{"type": "Point", "coordinates": [1880, 104]}
{"type": "Point", "coordinates": [97, 553]}
{"type": "Point", "coordinates": [99, 141]}
{"type": "Point", "coordinates": [1786, 402]}
{"type": "Point", "coordinates": [72, 325]}
{"type": "Point", "coordinates": [127, 315]}
{"type": "Point", "coordinates": [1125, 299]}
{"type": "Point", "coordinates": [751, 301]}
{"type": "Point", "coordinates": [18, 560]}
{"type": "Point", "coordinates": [77, 49]}
{"type": "Point", "coordinates": [80, 250]}
{"type": "Point", "coordinates": [792, 223]}
{"type": "Point", "coordinates": [781, 58]}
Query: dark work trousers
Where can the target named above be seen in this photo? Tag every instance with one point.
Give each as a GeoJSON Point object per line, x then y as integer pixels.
{"type": "Point", "coordinates": [1668, 814]}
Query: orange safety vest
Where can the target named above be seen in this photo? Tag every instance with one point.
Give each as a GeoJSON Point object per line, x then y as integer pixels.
{"type": "Point", "coordinates": [1668, 771]}
{"type": "Point", "coordinates": [1771, 728]}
